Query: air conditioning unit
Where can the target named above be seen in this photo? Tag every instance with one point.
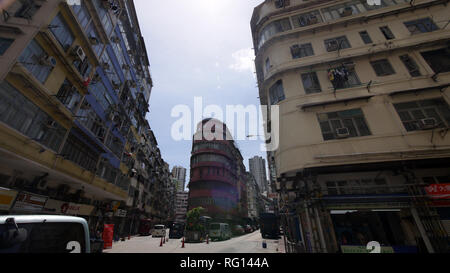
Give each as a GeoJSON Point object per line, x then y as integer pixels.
{"type": "Point", "coordinates": [79, 53]}
{"type": "Point", "coordinates": [48, 61]}
{"type": "Point", "coordinates": [342, 132]}
{"type": "Point", "coordinates": [428, 123]}
{"type": "Point", "coordinates": [347, 12]}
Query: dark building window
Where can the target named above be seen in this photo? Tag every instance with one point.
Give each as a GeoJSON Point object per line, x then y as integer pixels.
{"type": "Point", "coordinates": [411, 65]}
{"type": "Point", "coordinates": [34, 59]}
{"type": "Point", "coordinates": [27, 10]}
{"type": "Point", "coordinates": [79, 153]}
{"type": "Point", "coordinates": [337, 43]}
{"type": "Point", "coordinates": [61, 31]}
{"type": "Point", "coordinates": [421, 26]}
{"type": "Point", "coordinates": [272, 29]}
{"type": "Point", "coordinates": [311, 83]}
{"type": "Point", "coordinates": [343, 124]}
{"type": "Point", "coordinates": [365, 37]}
{"type": "Point", "coordinates": [82, 13]}
{"type": "Point", "coordinates": [23, 115]}
{"type": "Point", "coordinates": [267, 65]}
{"type": "Point", "coordinates": [69, 96]}
{"type": "Point", "coordinates": [276, 93]}
{"type": "Point", "coordinates": [382, 67]}
{"type": "Point", "coordinates": [5, 43]}
{"type": "Point", "coordinates": [425, 114]}
{"type": "Point", "coordinates": [282, 3]}
{"type": "Point", "coordinates": [304, 50]}
{"type": "Point", "coordinates": [438, 60]}
{"type": "Point", "coordinates": [387, 33]}
{"type": "Point", "coordinates": [306, 19]}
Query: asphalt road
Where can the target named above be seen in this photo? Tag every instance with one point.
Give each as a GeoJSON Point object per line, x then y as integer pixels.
{"type": "Point", "coordinates": [248, 243]}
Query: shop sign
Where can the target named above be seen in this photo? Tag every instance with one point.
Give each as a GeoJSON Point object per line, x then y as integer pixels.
{"type": "Point", "coordinates": [29, 202]}
{"type": "Point", "coordinates": [438, 191]}
{"type": "Point", "coordinates": [363, 249]}
{"type": "Point", "coordinates": [108, 232]}
{"type": "Point", "coordinates": [121, 213]}
{"type": "Point", "coordinates": [60, 207]}
{"type": "Point", "coordinates": [7, 198]}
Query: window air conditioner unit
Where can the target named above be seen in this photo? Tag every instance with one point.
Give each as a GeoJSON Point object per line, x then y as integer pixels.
{"type": "Point", "coordinates": [428, 123]}
{"type": "Point", "coordinates": [48, 61]}
{"type": "Point", "coordinates": [342, 132]}
{"type": "Point", "coordinates": [79, 53]}
{"type": "Point", "coordinates": [347, 12]}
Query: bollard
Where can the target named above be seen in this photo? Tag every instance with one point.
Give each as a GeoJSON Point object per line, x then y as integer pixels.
{"type": "Point", "coordinates": [161, 243]}
{"type": "Point", "coordinates": [182, 245]}
{"type": "Point", "coordinates": [207, 239]}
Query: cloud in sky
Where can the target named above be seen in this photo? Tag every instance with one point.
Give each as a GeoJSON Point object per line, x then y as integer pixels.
{"type": "Point", "coordinates": [243, 60]}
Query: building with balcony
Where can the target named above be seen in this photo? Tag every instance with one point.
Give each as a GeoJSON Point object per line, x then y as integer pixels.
{"type": "Point", "coordinates": [74, 91]}
{"type": "Point", "coordinates": [218, 177]}
{"type": "Point", "coordinates": [257, 166]}
{"type": "Point", "coordinates": [363, 94]}
{"type": "Point", "coordinates": [181, 206]}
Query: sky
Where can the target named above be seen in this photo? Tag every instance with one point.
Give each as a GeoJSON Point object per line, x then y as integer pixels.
{"type": "Point", "coordinates": [198, 48]}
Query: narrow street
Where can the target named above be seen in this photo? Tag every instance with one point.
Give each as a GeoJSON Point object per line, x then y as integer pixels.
{"type": "Point", "coordinates": [248, 243]}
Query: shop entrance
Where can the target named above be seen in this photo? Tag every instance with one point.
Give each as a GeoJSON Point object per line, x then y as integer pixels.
{"type": "Point", "coordinates": [389, 228]}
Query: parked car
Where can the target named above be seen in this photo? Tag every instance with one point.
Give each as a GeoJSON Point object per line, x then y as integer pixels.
{"type": "Point", "coordinates": [159, 231]}
{"type": "Point", "coordinates": [238, 230]}
{"type": "Point", "coordinates": [44, 234]}
{"type": "Point", "coordinates": [220, 231]}
{"type": "Point", "coordinates": [248, 229]}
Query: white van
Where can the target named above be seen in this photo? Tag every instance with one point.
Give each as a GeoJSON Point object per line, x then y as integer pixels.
{"type": "Point", "coordinates": [219, 231]}
{"type": "Point", "coordinates": [159, 231]}
{"type": "Point", "coordinates": [43, 234]}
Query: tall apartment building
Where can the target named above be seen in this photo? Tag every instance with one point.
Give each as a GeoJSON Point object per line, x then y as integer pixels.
{"type": "Point", "coordinates": [218, 177]}
{"type": "Point", "coordinates": [181, 206]}
{"type": "Point", "coordinates": [179, 173]}
{"type": "Point", "coordinates": [74, 91]}
{"type": "Point", "coordinates": [257, 166]}
{"type": "Point", "coordinates": [363, 93]}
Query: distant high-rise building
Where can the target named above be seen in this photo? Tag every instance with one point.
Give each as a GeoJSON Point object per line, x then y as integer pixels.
{"type": "Point", "coordinates": [258, 170]}
{"type": "Point", "coordinates": [179, 174]}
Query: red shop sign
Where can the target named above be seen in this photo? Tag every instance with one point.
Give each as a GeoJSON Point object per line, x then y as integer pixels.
{"type": "Point", "coordinates": [438, 191]}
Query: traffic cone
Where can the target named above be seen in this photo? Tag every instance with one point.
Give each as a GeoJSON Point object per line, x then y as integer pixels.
{"type": "Point", "coordinates": [161, 243]}
{"type": "Point", "coordinates": [182, 243]}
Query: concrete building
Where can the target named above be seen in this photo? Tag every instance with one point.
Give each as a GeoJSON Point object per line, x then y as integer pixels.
{"type": "Point", "coordinates": [74, 91]}
{"type": "Point", "coordinates": [181, 205]}
{"type": "Point", "coordinates": [257, 166]}
{"type": "Point", "coordinates": [179, 173]}
{"type": "Point", "coordinates": [217, 179]}
{"type": "Point", "coordinates": [252, 196]}
{"type": "Point", "coordinates": [363, 94]}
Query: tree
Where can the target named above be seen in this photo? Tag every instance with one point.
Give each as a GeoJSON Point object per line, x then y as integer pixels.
{"type": "Point", "coordinates": [193, 219]}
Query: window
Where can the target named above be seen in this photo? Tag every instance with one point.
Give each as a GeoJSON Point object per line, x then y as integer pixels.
{"type": "Point", "coordinates": [21, 114]}
{"type": "Point", "coordinates": [299, 51]}
{"type": "Point", "coordinates": [365, 37]}
{"type": "Point", "coordinates": [27, 9]}
{"type": "Point", "coordinates": [413, 114]}
{"type": "Point", "coordinates": [78, 152]}
{"type": "Point", "coordinates": [343, 77]}
{"type": "Point", "coordinates": [69, 96]}
{"type": "Point", "coordinates": [272, 29]}
{"type": "Point", "coordinates": [84, 67]}
{"type": "Point", "coordinates": [276, 93]}
{"type": "Point", "coordinates": [438, 60]}
{"type": "Point", "coordinates": [5, 43]}
{"type": "Point", "coordinates": [32, 58]}
{"type": "Point", "coordinates": [421, 26]}
{"type": "Point", "coordinates": [387, 33]}
{"type": "Point", "coordinates": [382, 67]}
{"type": "Point", "coordinates": [343, 124]}
{"type": "Point", "coordinates": [61, 31]}
{"type": "Point", "coordinates": [267, 65]}
{"type": "Point", "coordinates": [95, 41]}
{"type": "Point", "coordinates": [411, 65]}
{"type": "Point", "coordinates": [311, 83]}
{"type": "Point", "coordinates": [306, 19]}
{"type": "Point", "coordinates": [282, 3]}
{"type": "Point", "coordinates": [337, 43]}
{"type": "Point", "coordinates": [99, 91]}
{"type": "Point", "coordinates": [82, 14]}
{"type": "Point", "coordinates": [103, 14]}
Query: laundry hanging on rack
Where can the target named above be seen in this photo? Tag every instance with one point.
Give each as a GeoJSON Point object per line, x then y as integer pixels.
{"type": "Point", "coordinates": [338, 76]}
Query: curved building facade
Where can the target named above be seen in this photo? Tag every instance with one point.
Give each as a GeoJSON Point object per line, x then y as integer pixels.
{"type": "Point", "coordinates": [216, 172]}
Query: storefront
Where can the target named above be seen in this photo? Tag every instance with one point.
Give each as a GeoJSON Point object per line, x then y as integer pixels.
{"type": "Point", "coordinates": [28, 203]}
{"type": "Point", "coordinates": [7, 198]}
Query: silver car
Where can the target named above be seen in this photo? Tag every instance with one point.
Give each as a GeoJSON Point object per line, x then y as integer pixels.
{"type": "Point", "coordinates": [43, 234]}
